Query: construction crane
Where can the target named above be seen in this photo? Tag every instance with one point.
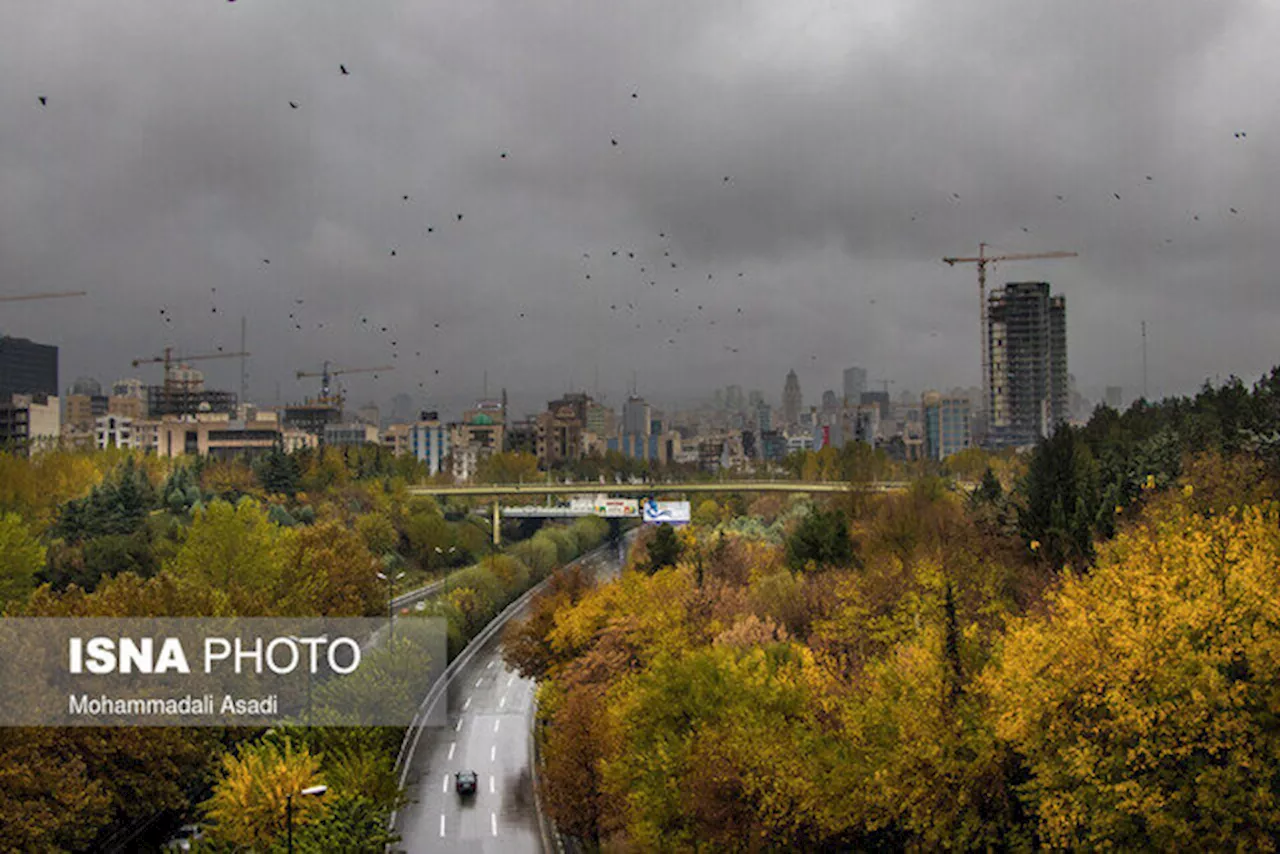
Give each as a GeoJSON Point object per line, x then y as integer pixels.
{"type": "Point", "coordinates": [50, 295]}
{"type": "Point", "coordinates": [168, 360]}
{"type": "Point", "coordinates": [886, 384]}
{"type": "Point", "coordinates": [982, 259]}
{"type": "Point", "coordinates": [326, 376]}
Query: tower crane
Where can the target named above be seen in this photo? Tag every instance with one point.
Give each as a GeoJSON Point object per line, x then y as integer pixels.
{"type": "Point", "coordinates": [982, 259]}
{"type": "Point", "coordinates": [49, 295]}
{"type": "Point", "coordinates": [168, 360]}
{"type": "Point", "coordinates": [327, 374]}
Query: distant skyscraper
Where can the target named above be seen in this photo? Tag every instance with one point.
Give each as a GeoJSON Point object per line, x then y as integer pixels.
{"type": "Point", "coordinates": [733, 400]}
{"type": "Point", "coordinates": [27, 368]}
{"type": "Point", "coordinates": [1027, 337]}
{"type": "Point", "coordinates": [946, 425]}
{"type": "Point", "coordinates": [764, 417]}
{"type": "Point", "coordinates": [636, 417]}
{"type": "Point", "coordinates": [830, 403]}
{"type": "Point", "coordinates": [1115, 396]}
{"type": "Point", "coordinates": [791, 399]}
{"type": "Point", "coordinates": [855, 383]}
{"type": "Point", "coordinates": [754, 398]}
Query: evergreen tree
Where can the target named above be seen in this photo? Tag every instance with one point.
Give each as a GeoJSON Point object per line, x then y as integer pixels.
{"type": "Point", "coordinates": [664, 548]}
{"type": "Point", "coordinates": [822, 538]}
{"type": "Point", "coordinates": [278, 472]}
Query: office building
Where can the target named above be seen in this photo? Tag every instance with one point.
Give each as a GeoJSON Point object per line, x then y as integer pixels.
{"type": "Point", "coordinates": [30, 422]}
{"type": "Point", "coordinates": [792, 400]}
{"type": "Point", "coordinates": [764, 417]}
{"type": "Point", "coordinates": [27, 368]}
{"type": "Point", "coordinates": [220, 437]}
{"type": "Point", "coordinates": [353, 433]}
{"type": "Point", "coordinates": [855, 383]}
{"type": "Point", "coordinates": [637, 417]}
{"type": "Point", "coordinates": [876, 398]}
{"type": "Point", "coordinates": [1027, 370]}
{"type": "Point", "coordinates": [113, 431]}
{"type": "Point", "coordinates": [830, 403]}
{"type": "Point", "coordinates": [947, 427]}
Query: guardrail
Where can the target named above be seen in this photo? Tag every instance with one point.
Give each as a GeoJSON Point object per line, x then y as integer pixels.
{"type": "Point", "coordinates": [414, 732]}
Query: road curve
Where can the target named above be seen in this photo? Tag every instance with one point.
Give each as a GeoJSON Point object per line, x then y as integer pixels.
{"type": "Point", "coordinates": [489, 711]}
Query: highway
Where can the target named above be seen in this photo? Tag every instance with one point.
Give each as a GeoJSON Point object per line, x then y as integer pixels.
{"type": "Point", "coordinates": [489, 716]}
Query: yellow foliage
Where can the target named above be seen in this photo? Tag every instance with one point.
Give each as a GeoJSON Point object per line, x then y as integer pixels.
{"type": "Point", "coordinates": [1145, 699]}
{"type": "Point", "coordinates": [248, 804]}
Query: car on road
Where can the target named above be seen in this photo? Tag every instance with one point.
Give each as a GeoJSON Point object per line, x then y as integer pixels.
{"type": "Point", "coordinates": [181, 841]}
{"type": "Point", "coordinates": [465, 782]}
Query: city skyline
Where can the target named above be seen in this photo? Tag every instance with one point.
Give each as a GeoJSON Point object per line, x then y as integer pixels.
{"type": "Point", "coordinates": [830, 156]}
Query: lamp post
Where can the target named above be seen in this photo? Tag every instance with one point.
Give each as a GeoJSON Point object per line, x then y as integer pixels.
{"type": "Point", "coordinates": [310, 791]}
{"type": "Point", "coordinates": [391, 610]}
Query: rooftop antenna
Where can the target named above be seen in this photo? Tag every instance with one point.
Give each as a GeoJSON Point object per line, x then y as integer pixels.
{"type": "Point", "coordinates": [485, 392]}
{"type": "Point", "coordinates": [244, 354]}
{"type": "Point", "coordinates": [1144, 360]}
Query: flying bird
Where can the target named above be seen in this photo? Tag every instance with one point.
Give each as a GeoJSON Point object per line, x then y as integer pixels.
{"type": "Point", "coordinates": [459, 217]}
{"type": "Point", "coordinates": [343, 69]}
{"type": "Point", "coordinates": [266, 260]}
{"type": "Point", "coordinates": [1059, 198]}
{"type": "Point", "coordinates": [393, 253]}
{"type": "Point", "coordinates": [613, 141]}
{"type": "Point", "coordinates": [1117, 195]}
{"type": "Point", "coordinates": [1233, 210]}
{"type": "Point", "coordinates": [1239, 134]}
{"type": "Point", "coordinates": [635, 94]}
{"type": "Point", "coordinates": [44, 102]}
{"type": "Point", "coordinates": [405, 198]}
{"type": "Point", "coordinates": [293, 104]}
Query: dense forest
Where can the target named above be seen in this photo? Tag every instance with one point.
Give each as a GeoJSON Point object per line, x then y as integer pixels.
{"type": "Point", "coordinates": [1082, 652]}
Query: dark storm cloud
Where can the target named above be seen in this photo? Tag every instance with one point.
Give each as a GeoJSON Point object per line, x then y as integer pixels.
{"type": "Point", "coordinates": [168, 162]}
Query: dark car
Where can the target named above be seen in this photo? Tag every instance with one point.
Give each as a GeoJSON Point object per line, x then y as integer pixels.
{"type": "Point", "coordinates": [465, 782]}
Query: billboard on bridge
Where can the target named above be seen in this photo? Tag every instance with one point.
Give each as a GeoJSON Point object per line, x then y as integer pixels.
{"type": "Point", "coordinates": [670, 512]}
{"type": "Point", "coordinates": [614, 508]}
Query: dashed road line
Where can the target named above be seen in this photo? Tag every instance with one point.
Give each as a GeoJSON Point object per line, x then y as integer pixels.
{"type": "Point", "coordinates": [452, 745]}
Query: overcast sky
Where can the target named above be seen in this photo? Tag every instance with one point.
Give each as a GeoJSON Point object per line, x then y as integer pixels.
{"type": "Point", "coordinates": [168, 163]}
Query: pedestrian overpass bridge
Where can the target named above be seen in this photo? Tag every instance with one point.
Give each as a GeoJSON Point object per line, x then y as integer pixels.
{"type": "Point", "coordinates": [498, 491]}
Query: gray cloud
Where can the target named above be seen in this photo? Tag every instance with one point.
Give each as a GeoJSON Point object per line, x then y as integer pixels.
{"type": "Point", "coordinates": [169, 163]}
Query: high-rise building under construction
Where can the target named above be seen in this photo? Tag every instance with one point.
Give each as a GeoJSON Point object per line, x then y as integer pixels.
{"type": "Point", "coordinates": [1027, 340]}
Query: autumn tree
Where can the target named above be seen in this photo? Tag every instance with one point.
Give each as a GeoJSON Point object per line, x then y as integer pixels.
{"type": "Point", "coordinates": [21, 557]}
{"type": "Point", "coordinates": [248, 806]}
{"type": "Point", "coordinates": [1144, 699]}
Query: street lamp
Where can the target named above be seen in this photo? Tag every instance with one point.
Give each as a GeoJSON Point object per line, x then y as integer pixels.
{"type": "Point", "coordinates": [310, 791]}
{"type": "Point", "coordinates": [391, 611]}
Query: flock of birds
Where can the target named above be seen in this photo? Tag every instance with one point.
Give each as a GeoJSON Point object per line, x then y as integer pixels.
{"type": "Point", "coordinates": [647, 286]}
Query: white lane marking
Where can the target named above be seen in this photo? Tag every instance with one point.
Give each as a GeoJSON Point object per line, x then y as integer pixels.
{"type": "Point", "coordinates": [487, 666]}
{"type": "Point", "coordinates": [478, 681]}
{"type": "Point", "coordinates": [493, 753]}
{"type": "Point", "coordinates": [442, 824]}
{"type": "Point", "coordinates": [466, 705]}
{"type": "Point", "coordinates": [496, 724]}
{"type": "Point", "coordinates": [491, 784]}
{"type": "Point", "coordinates": [493, 823]}
{"type": "Point", "coordinates": [452, 745]}
{"type": "Point", "coordinates": [446, 784]}
{"type": "Point", "coordinates": [502, 702]}
{"type": "Point", "coordinates": [458, 728]}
